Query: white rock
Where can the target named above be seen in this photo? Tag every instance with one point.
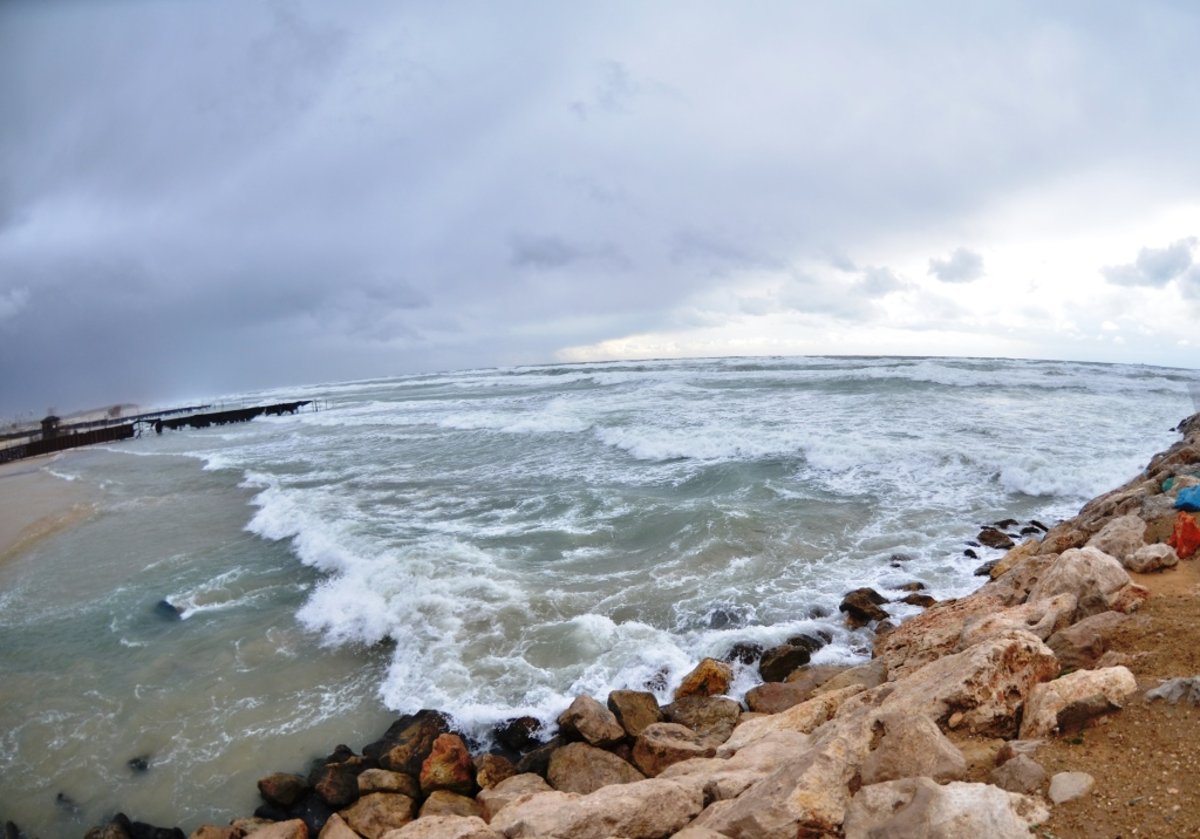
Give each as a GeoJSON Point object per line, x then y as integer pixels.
{"type": "Point", "coordinates": [1047, 701]}
{"type": "Point", "coordinates": [642, 810]}
{"type": "Point", "coordinates": [919, 807]}
{"type": "Point", "coordinates": [1067, 786]}
{"type": "Point", "coordinates": [1121, 537]}
{"type": "Point", "coordinates": [912, 746]}
{"type": "Point", "coordinates": [1094, 577]}
{"type": "Point", "coordinates": [444, 827]}
{"type": "Point", "coordinates": [1040, 617]}
{"type": "Point", "coordinates": [1152, 558]}
{"type": "Point", "coordinates": [802, 718]}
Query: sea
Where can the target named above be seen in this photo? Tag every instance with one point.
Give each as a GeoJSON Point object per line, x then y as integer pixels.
{"type": "Point", "coordinates": [492, 543]}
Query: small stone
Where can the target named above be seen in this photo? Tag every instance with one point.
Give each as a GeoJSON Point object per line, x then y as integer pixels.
{"type": "Point", "coordinates": [955, 720]}
{"type": "Point", "coordinates": [1067, 786]}
{"type": "Point", "coordinates": [1021, 774]}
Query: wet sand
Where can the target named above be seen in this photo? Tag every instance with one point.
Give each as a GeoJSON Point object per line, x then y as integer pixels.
{"type": "Point", "coordinates": [35, 505]}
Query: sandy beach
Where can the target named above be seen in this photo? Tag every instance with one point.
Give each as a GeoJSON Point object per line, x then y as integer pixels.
{"type": "Point", "coordinates": [35, 504]}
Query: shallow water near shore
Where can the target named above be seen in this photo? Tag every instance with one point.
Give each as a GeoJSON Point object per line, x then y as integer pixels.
{"type": "Point", "coordinates": [493, 542]}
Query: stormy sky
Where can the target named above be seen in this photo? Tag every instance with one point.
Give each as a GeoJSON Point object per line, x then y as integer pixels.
{"type": "Point", "coordinates": [204, 197]}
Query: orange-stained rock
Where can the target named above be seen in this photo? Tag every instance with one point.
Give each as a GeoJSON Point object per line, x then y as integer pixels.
{"type": "Point", "coordinates": [710, 678]}
{"type": "Point", "coordinates": [449, 767]}
{"type": "Point", "coordinates": [1186, 537]}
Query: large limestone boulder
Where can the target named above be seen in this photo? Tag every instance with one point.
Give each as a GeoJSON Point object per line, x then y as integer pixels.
{"type": "Point", "coordinates": [495, 799]}
{"type": "Point", "coordinates": [808, 794]}
{"type": "Point", "coordinates": [1080, 645]}
{"type": "Point", "coordinates": [381, 780]}
{"type": "Point", "coordinates": [378, 812]}
{"type": "Point", "coordinates": [712, 717]}
{"type": "Point", "coordinates": [722, 779]}
{"type": "Point", "coordinates": [445, 827]}
{"type": "Point", "coordinates": [983, 685]}
{"type": "Point", "coordinates": [445, 803]}
{"type": "Point", "coordinates": [802, 718]}
{"type": "Point", "coordinates": [710, 678]}
{"type": "Point", "coordinates": [1040, 617]}
{"type": "Point", "coordinates": [1096, 579]}
{"type": "Point", "coordinates": [912, 746]}
{"type": "Point", "coordinates": [588, 720]}
{"type": "Point", "coordinates": [1074, 698]}
{"type": "Point", "coordinates": [578, 767]}
{"type": "Point", "coordinates": [934, 633]}
{"type": "Point", "coordinates": [648, 809]}
{"type": "Point", "coordinates": [665, 743]}
{"type": "Point", "coordinates": [290, 829]}
{"type": "Point", "coordinates": [869, 675]}
{"type": "Point", "coordinates": [634, 710]}
{"type": "Point", "coordinates": [448, 767]}
{"type": "Point", "coordinates": [1121, 537]}
{"type": "Point", "coordinates": [921, 807]}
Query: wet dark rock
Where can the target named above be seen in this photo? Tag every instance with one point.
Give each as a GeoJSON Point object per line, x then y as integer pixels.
{"type": "Point", "coordinates": [985, 570]}
{"type": "Point", "coordinates": [1039, 525]}
{"type": "Point", "coordinates": [538, 760]}
{"type": "Point", "coordinates": [658, 681]}
{"type": "Point", "coordinates": [408, 741]}
{"type": "Point", "coordinates": [901, 557]}
{"type": "Point", "coordinates": [141, 763]}
{"type": "Point", "coordinates": [970, 554]}
{"type": "Point", "coordinates": [1030, 530]}
{"type": "Point", "coordinates": [724, 617]}
{"type": "Point", "coordinates": [282, 789]}
{"type": "Point", "coordinates": [271, 813]}
{"type": "Point", "coordinates": [884, 627]}
{"type": "Point", "coordinates": [337, 783]}
{"type": "Point", "coordinates": [314, 813]}
{"type": "Point", "coordinates": [915, 585]}
{"type": "Point", "coordinates": [922, 600]}
{"type": "Point", "coordinates": [1005, 524]}
{"type": "Point", "coordinates": [973, 543]}
{"type": "Point", "coordinates": [519, 735]}
{"type": "Point", "coordinates": [141, 830]}
{"type": "Point", "coordinates": [813, 640]}
{"type": "Point", "coordinates": [167, 611]}
{"type": "Point", "coordinates": [11, 831]}
{"type": "Point", "coordinates": [744, 652]}
{"type": "Point", "coordinates": [119, 828]}
{"type": "Point", "coordinates": [778, 662]}
{"type": "Point", "coordinates": [861, 606]}
{"type": "Point", "coordinates": [993, 538]}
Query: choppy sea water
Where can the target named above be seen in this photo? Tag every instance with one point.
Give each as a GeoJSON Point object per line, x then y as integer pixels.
{"type": "Point", "coordinates": [493, 542]}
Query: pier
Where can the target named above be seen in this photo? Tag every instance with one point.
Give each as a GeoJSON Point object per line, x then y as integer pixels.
{"type": "Point", "coordinates": [55, 435]}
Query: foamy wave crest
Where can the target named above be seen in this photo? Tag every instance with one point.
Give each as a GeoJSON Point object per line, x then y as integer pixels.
{"type": "Point", "coordinates": [706, 444]}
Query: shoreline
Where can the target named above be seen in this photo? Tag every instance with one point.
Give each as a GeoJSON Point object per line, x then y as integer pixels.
{"type": "Point", "coordinates": [37, 505]}
{"type": "Point", "coordinates": [1047, 661]}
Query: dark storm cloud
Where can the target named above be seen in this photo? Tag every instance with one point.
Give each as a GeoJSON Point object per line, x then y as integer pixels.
{"type": "Point", "coordinates": [962, 266]}
{"type": "Point", "coordinates": [200, 197]}
{"type": "Point", "coordinates": [1154, 266]}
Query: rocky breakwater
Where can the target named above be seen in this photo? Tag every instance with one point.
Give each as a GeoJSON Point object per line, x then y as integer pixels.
{"type": "Point", "coordinates": [936, 736]}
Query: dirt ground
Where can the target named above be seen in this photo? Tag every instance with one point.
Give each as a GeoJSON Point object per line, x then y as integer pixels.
{"type": "Point", "coordinates": [1146, 757]}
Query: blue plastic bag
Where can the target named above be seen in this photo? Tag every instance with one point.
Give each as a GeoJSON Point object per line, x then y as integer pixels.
{"type": "Point", "coordinates": [1188, 500]}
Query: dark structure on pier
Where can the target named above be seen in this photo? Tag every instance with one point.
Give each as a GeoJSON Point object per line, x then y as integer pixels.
{"type": "Point", "coordinates": [56, 437]}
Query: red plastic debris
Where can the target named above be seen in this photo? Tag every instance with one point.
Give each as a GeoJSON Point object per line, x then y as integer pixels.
{"type": "Point", "coordinates": [1186, 537]}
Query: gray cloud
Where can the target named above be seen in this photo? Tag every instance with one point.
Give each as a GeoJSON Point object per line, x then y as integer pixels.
{"type": "Point", "coordinates": [1154, 266]}
{"type": "Point", "coordinates": [550, 252]}
{"type": "Point", "coordinates": [202, 197]}
{"type": "Point", "coordinates": [962, 266]}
